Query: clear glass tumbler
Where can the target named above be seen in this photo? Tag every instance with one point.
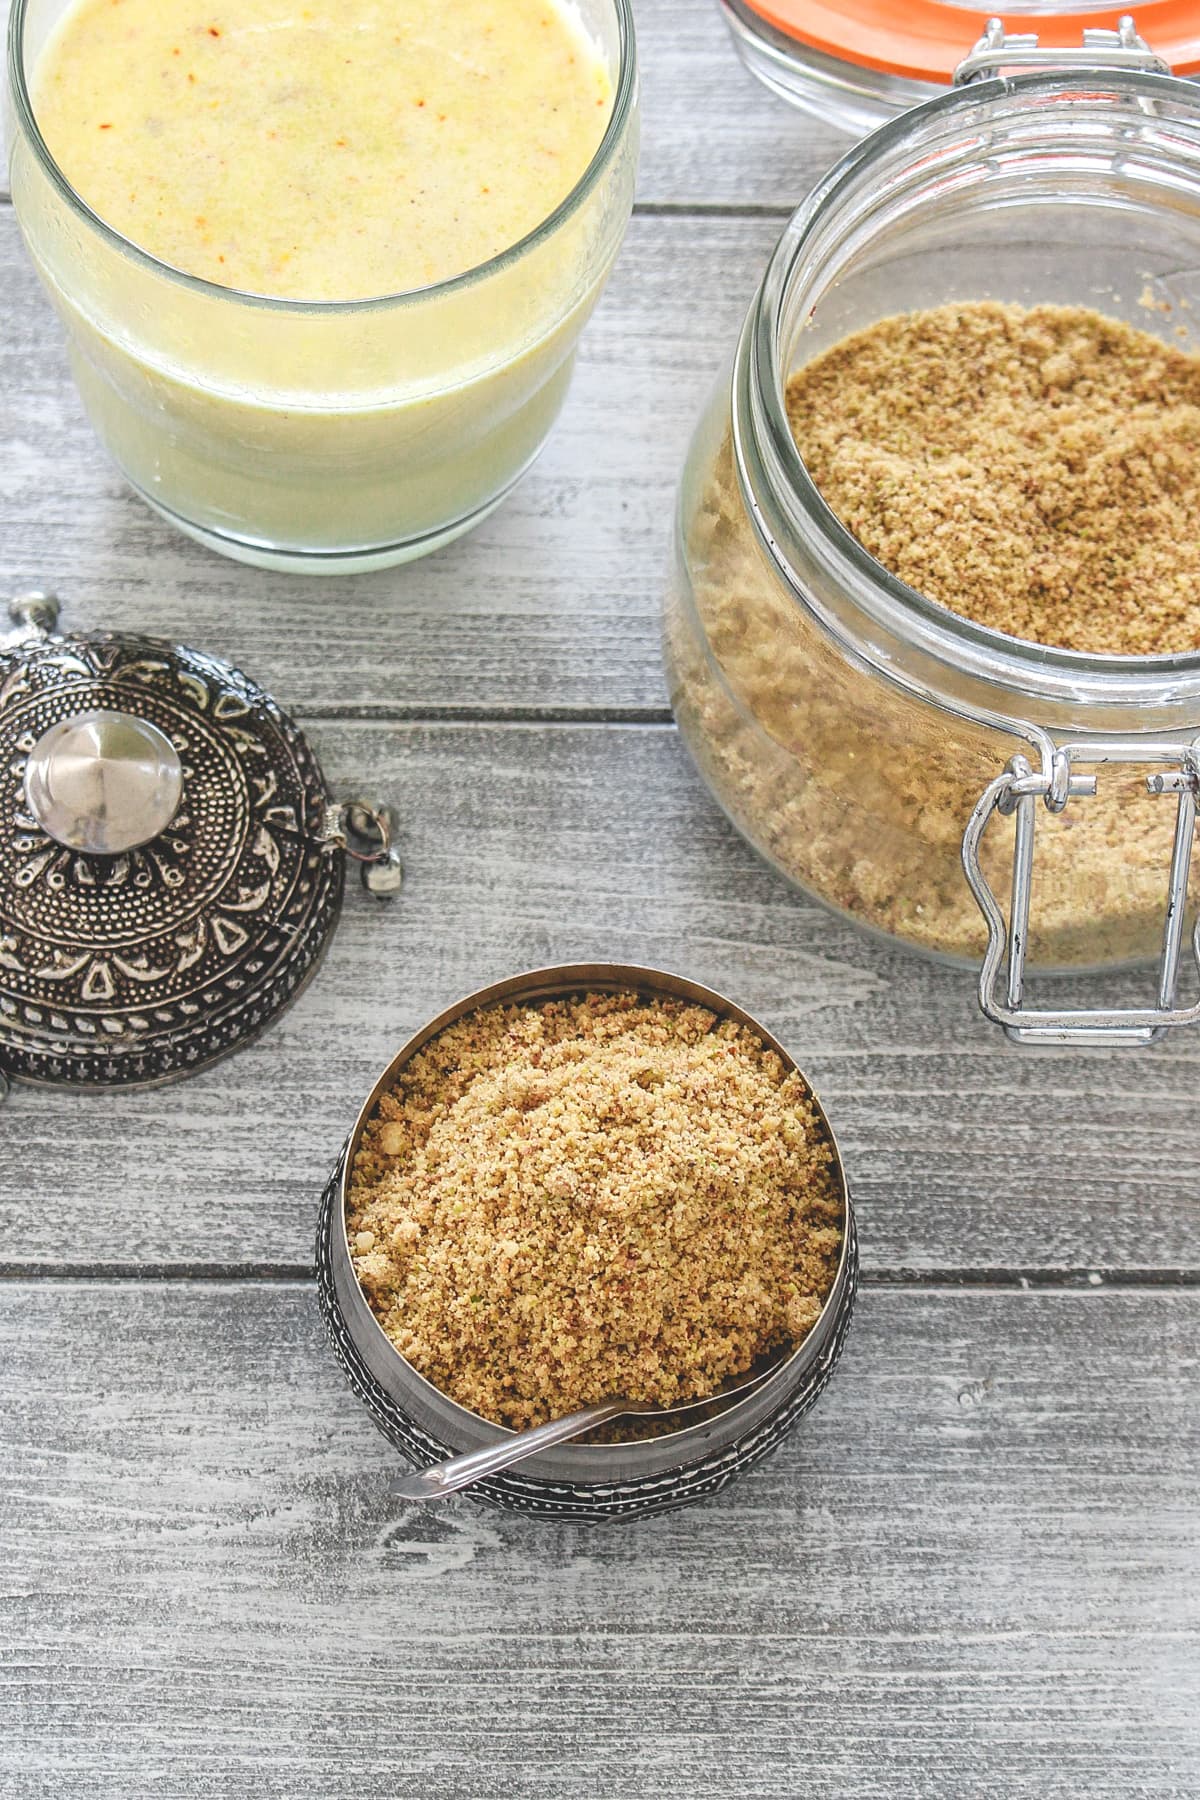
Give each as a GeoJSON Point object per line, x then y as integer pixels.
{"type": "Point", "coordinates": [330, 437]}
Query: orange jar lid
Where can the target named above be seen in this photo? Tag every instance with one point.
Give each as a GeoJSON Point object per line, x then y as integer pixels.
{"type": "Point", "coordinates": [925, 40]}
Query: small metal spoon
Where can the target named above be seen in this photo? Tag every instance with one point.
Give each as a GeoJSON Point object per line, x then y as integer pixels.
{"type": "Point", "coordinates": [446, 1478]}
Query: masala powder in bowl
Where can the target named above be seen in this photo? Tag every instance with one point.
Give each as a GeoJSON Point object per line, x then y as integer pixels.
{"type": "Point", "coordinates": [562, 1202]}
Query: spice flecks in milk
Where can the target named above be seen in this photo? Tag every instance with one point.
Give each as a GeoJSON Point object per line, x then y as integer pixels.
{"type": "Point", "coordinates": [323, 152]}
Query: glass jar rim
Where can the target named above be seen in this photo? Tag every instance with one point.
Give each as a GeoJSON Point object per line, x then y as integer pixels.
{"type": "Point", "coordinates": [915, 620]}
{"type": "Point", "coordinates": [622, 107]}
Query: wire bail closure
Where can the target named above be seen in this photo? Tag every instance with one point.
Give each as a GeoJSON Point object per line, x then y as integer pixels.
{"type": "Point", "coordinates": [1018, 791]}
{"type": "Point", "coordinates": [999, 53]}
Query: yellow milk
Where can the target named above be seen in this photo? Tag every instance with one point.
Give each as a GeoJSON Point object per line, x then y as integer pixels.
{"type": "Point", "coordinates": [331, 152]}
{"type": "Point", "coordinates": [348, 366]}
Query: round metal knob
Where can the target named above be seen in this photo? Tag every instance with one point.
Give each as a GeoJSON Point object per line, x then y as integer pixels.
{"type": "Point", "coordinates": [35, 610]}
{"type": "Point", "coordinates": [104, 782]}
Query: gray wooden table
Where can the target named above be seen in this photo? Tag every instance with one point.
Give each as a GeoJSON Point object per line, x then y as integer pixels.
{"type": "Point", "coordinates": [974, 1572]}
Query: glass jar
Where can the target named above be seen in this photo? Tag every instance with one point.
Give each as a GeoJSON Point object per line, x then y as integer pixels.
{"type": "Point", "coordinates": [330, 437]}
{"type": "Point", "coordinates": [858, 63]}
{"type": "Point", "coordinates": [868, 741]}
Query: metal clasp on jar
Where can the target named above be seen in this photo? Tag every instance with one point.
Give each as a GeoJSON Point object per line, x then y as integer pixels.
{"type": "Point", "coordinates": [1001, 53]}
{"type": "Point", "coordinates": [1018, 791]}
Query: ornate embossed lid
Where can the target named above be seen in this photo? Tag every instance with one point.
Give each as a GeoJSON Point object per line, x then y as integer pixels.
{"type": "Point", "coordinates": [171, 862]}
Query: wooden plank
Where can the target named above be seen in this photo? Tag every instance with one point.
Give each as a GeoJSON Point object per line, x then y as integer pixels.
{"type": "Point", "coordinates": [553, 603]}
{"type": "Point", "coordinates": [711, 134]}
{"type": "Point", "coordinates": [974, 1571]}
{"type": "Point", "coordinates": [529, 845]}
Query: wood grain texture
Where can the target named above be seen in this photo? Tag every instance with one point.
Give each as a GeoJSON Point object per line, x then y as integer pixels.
{"type": "Point", "coordinates": [528, 845]}
{"type": "Point", "coordinates": [712, 135]}
{"type": "Point", "coordinates": [553, 603]}
{"type": "Point", "coordinates": [972, 1573]}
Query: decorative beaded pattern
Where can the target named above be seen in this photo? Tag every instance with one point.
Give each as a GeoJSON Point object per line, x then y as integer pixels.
{"type": "Point", "coordinates": [588, 1502]}
{"type": "Point", "coordinates": [140, 968]}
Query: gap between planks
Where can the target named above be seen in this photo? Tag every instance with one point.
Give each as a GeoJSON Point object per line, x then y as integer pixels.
{"type": "Point", "coordinates": [431, 713]}
{"type": "Point", "coordinates": [653, 209]}
{"type": "Point", "coordinates": [1000, 1280]}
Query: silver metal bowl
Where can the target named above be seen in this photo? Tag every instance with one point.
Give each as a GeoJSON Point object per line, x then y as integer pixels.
{"type": "Point", "coordinates": [582, 1481]}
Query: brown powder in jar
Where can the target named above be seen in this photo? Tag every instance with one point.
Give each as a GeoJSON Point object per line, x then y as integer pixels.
{"type": "Point", "coordinates": [564, 1202]}
{"type": "Point", "coordinates": [1033, 469]}
{"type": "Point", "coordinates": [860, 792]}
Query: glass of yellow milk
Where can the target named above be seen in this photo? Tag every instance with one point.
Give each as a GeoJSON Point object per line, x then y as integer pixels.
{"type": "Point", "coordinates": [323, 268]}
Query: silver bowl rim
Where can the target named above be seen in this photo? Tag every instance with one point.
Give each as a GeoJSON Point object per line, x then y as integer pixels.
{"type": "Point", "coordinates": [559, 981]}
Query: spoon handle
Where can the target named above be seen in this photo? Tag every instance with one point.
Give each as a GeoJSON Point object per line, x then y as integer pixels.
{"type": "Point", "coordinates": [458, 1472]}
